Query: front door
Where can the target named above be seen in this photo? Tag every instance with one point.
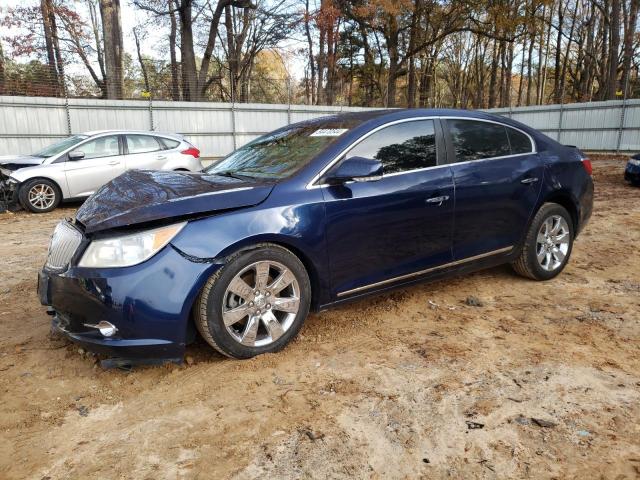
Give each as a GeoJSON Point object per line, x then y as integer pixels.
{"type": "Point", "coordinates": [395, 226]}
{"type": "Point", "coordinates": [498, 177]}
{"type": "Point", "coordinates": [102, 162]}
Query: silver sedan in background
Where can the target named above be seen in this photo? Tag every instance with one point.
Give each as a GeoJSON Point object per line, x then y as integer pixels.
{"type": "Point", "coordinates": [78, 165]}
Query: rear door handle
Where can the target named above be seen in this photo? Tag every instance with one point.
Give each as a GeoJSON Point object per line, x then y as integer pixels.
{"type": "Point", "coordinates": [530, 180]}
{"type": "Point", "coordinates": [161, 157]}
{"type": "Point", "coordinates": [439, 200]}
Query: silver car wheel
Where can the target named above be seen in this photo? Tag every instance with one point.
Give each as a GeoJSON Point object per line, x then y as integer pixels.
{"type": "Point", "coordinates": [261, 303]}
{"type": "Point", "coordinates": [42, 196]}
{"type": "Point", "coordinates": [552, 242]}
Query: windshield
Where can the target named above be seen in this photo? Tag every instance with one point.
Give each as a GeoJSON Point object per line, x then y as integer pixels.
{"type": "Point", "coordinates": [60, 146]}
{"type": "Point", "coordinates": [282, 153]}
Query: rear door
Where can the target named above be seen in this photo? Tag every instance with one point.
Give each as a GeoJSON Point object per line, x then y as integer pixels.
{"type": "Point", "coordinates": [498, 177]}
{"type": "Point", "coordinates": [380, 230]}
{"type": "Point", "coordinates": [103, 161]}
{"type": "Point", "coordinates": [144, 152]}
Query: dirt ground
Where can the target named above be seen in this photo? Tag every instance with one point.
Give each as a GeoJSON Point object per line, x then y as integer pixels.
{"type": "Point", "coordinates": [413, 384]}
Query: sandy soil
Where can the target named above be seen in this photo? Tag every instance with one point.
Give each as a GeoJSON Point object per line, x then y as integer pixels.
{"type": "Point", "coordinates": [386, 388]}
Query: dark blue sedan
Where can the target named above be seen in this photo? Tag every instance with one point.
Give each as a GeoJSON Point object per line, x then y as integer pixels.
{"type": "Point", "coordinates": [307, 217]}
{"type": "Point", "coordinates": [632, 172]}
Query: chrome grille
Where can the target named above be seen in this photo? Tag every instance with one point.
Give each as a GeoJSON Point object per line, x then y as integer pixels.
{"type": "Point", "coordinates": [64, 243]}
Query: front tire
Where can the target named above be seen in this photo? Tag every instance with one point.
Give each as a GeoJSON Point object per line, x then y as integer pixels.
{"type": "Point", "coordinates": [548, 244]}
{"type": "Point", "coordinates": [39, 195]}
{"type": "Point", "coordinates": [255, 304]}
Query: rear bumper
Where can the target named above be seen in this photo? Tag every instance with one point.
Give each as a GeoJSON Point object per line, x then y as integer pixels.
{"type": "Point", "coordinates": [149, 304]}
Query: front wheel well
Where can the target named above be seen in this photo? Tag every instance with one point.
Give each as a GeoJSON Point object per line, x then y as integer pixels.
{"type": "Point", "coordinates": [29, 180]}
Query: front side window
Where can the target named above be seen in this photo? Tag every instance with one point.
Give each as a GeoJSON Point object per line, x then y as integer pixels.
{"type": "Point", "coordinates": [401, 147]}
{"type": "Point", "coordinates": [142, 144]}
{"type": "Point", "coordinates": [474, 140]}
{"type": "Point", "coordinates": [100, 147]}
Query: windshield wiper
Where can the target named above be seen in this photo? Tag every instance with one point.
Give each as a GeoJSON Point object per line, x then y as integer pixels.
{"type": "Point", "coordinates": [232, 174]}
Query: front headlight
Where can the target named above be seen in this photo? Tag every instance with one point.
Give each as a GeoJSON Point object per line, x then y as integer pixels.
{"type": "Point", "coordinates": [128, 250]}
{"type": "Point", "coordinates": [635, 162]}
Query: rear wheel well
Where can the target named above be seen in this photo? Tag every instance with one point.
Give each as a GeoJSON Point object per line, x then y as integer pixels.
{"type": "Point", "coordinates": [565, 201]}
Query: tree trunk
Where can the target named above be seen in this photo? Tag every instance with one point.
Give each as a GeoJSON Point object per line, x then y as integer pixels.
{"type": "Point", "coordinates": [175, 85]}
{"type": "Point", "coordinates": [113, 48]}
{"type": "Point", "coordinates": [629, 32]}
{"type": "Point", "coordinates": [312, 63]}
{"type": "Point", "coordinates": [187, 54]}
{"type": "Point", "coordinates": [612, 81]}
{"type": "Point", "coordinates": [413, 38]}
{"type": "Point", "coordinates": [493, 82]}
{"type": "Point", "coordinates": [143, 67]}
{"type": "Point", "coordinates": [2, 85]}
{"type": "Point", "coordinates": [48, 23]}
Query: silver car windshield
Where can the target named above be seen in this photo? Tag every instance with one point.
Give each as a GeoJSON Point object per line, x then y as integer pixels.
{"type": "Point", "coordinates": [60, 146]}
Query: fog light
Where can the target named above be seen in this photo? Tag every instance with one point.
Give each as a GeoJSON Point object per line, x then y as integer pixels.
{"type": "Point", "coordinates": [106, 329]}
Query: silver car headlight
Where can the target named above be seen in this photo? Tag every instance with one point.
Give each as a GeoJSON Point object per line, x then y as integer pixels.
{"type": "Point", "coordinates": [635, 162]}
{"type": "Point", "coordinates": [128, 250]}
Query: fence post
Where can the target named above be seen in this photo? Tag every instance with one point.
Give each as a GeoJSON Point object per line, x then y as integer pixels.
{"type": "Point", "coordinates": [622, 115]}
{"type": "Point", "coordinates": [67, 109]}
{"type": "Point", "coordinates": [288, 100]}
{"type": "Point", "coordinates": [560, 121]}
{"type": "Point", "coordinates": [233, 117]}
{"type": "Point", "coordinates": [151, 111]}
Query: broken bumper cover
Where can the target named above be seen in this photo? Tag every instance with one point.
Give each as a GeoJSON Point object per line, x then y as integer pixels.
{"type": "Point", "coordinates": [149, 304]}
{"type": "Point", "coordinates": [8, 189]}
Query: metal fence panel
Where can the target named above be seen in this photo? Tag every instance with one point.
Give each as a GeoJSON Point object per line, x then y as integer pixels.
{"type": "Point", "coordinates": [28, 124]}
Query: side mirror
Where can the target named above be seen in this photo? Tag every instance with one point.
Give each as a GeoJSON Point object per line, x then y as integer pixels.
{"type": "Point", "coordinates": [358, 169]}
{"type": "Point", "coordinates": [76, 155]}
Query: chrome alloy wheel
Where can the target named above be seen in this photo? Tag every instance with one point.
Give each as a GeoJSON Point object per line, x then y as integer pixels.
{"type": "Point", "coordinates": [42, 196]}
{"type": "Point", "coordinates": [261, 303]}
{"type": "Point", "coordinates": [552, 242]}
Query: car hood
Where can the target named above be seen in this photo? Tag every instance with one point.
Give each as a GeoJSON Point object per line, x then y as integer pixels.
{"type": "Point", "coordinates": [143, 196]}
{"type": "Point", "coordinates": [14, 162]}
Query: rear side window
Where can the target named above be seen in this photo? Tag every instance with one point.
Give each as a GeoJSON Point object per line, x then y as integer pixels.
{"type": "Point", "coordinates": [473, 140]}
{"type": "Point", "coordinates": [142, 143]}
{"type": "Point", "coordinates": [520, 143]}
{"type": "Point", "coordinates": [169, 143]}
{"type": "Point", "coordinates": [401, 147]}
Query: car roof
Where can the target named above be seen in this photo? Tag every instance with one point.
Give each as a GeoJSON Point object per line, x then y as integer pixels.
{"type": "Point", "coordinates": [382, 116]}
{"type": "Point", "coordinates": [93, 133]}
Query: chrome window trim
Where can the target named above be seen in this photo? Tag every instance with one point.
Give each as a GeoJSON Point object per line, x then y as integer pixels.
{"type": "Point", "coordinates": [471, 119]}
{"type": "Point", "coordinates": [425, 271]}
{"type": "Point", "coordinates": [346, 150]}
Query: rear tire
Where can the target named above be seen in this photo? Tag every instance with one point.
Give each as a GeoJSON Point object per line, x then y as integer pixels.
{"type": "Point", "coordinates": [548, 244]}
{"type": "Point", "coordinates": [255, 304]}
{"type": "Point", "coordinates": [39, 195]}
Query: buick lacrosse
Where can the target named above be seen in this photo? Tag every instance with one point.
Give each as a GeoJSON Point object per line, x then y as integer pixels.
{"type": "Point", "coordinates": [307, 217]}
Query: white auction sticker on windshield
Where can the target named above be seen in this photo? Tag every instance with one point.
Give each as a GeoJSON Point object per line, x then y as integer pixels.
{"type": "Point", "coordinates": [328, 132]}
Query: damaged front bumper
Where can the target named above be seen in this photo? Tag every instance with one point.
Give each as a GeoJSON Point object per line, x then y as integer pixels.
{"type": "Point", "coordinates": [148, 304]}
{"type": "Point", "coordinates": [8, 190]}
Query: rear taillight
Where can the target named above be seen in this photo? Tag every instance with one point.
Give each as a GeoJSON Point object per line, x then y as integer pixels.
{"type": "Point", "coordinates": [586, 163]}
{"type": "Point", "coordinates": [193, 151]}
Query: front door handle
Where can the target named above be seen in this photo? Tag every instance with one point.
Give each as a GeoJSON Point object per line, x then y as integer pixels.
{"type": "Point", "coordinates": [529, 181]}
{"type": "Point", "coordinates": [439, 200]}
{"type": "Point", "coordinates": [114, 162]}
